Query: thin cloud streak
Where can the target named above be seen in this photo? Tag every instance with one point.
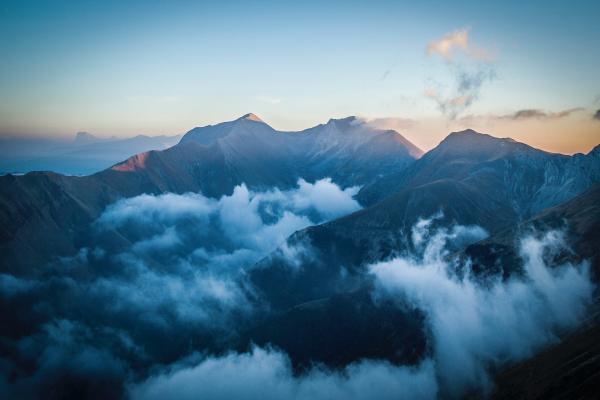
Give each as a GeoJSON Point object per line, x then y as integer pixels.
{"type": "Point", "coordinates": [470, 72]}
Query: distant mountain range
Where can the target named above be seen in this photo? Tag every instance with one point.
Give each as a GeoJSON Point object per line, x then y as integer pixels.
{"type": "Point", "coordinates": [84, 155]}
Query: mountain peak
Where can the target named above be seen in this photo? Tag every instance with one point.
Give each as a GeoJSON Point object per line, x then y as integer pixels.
{"type": "Point", "coordinates": [467, 132]}
{"type": "Point", "coordinates": [470, 136]}
{"type": "Point", "coordinates": [84, 138]}
{"type": "Point", "coordinates": [470, 142]}
{"type": "Point", "coordinates": [347, 120]}
{"type": "Point", "coordinates": [251, 117]}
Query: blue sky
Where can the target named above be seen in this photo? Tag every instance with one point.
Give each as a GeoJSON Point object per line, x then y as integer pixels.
{"type": "Point", "coordinates": [164, 67]}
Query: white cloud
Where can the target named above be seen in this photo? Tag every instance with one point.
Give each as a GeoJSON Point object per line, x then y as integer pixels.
{"type": "Point", "coordinates": [470, 72]}
{"type": "Point", "coordinates": [457, 41]}
{"type": "Point", "coordinates": [267, 374]}
{"type": "Point", "coordinates": [478, 325]}
{"type": "Point", "coordinates": [326, 198]}
{"type": "Point", "coordinates": [188, 251]}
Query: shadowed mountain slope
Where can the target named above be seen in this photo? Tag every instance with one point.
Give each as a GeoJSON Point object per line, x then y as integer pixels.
{"type": "Point", "coordinates": [330, 280]}
{"type": "Point", "coordinates": [43, 214]}
{"type": "Point", "coordinates": [525, 179]}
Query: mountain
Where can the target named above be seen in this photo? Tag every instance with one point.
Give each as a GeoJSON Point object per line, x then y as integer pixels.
{"type": "Point", "coordinates": [567, 369]}
{"type": "Point", "coordinates": [526, 179]}
{"type": "Point", "coordinates": [44, 214]}
{"type": "Point", "coordinates": [83, 138]}
{"type": "Point", "coordinates": [216, 158]}
{"type": "Point", "coordinates": [329, 291]}
{"type": "Point", "coordinates": [124, 290]}
{"type": "Point", "coordinates": [343, 149]}
{"type": "Point", "coordinates": [470, 178]}
{"type": "Point", "coordinates": [579, 217]}
{"type": "Point", "coordinates": [85, 154]}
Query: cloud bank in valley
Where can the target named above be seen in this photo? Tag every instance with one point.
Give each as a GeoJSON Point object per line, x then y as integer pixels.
{"type": "Point", "coordinates": [465, 315]}
{"type": "Point", "coordinates": [163, 276]}
{"type": "Point", "coordinates": [149, 317]}
{"type": "Point", "coordinates": [267, 374]}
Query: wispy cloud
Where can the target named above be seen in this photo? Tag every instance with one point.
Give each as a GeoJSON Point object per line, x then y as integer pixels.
{"type": "Point", "coordinates": [467, 89]}
{"type": "Point", "coordinates": [529, 114]}
{"type": "Point", "coordinates": [470, 72]}
{"type": "Point", "coordinates": [539, 114]}
{"type": "Point", "coordinates": [385, 74]}
{"type": "Point", "coordinates": [457, 41]}
{"type": "Point", "coordinates": [395, 123]}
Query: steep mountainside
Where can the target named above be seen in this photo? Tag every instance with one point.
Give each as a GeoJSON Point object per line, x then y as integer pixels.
{"type": "Point", "coordinates": [569, 369]}
{"type": "Point", "coordinates": [527, 180]}
{"type": "Point", "coordinates": [329, 286]}
{"type": "Point", "coordinates": [44, 214]}
{"type": "Point", "coordinates": [579, 218]}
{"type": "Point", "coordinates": [347, 150]}
{"type": "Point", "coordinates": [376, 233]}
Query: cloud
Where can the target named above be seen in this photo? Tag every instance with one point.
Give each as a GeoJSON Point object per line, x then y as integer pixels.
{"type": "Point", "coordinates": [267, 374]}
{"type": "Point", "coordinates": [527, 114]}
{"type": "Point", "coordinates": [597, 115]}
{"type": "Point", "coordinates": [457, 41]}
{"type": "Point", "coordinates": [470, 73]}
{"type": "Point", "coordinates": [326, 198]}
{"type": "Point", "coordinates": [165, 277]}
{"type": "Point", "coordinates": [465, 315]}
{"type": "Point", "coordinates": [149, 209]}
{"type": "Point", "coordinates": [539, 114]}
{"type": "Point", "coordinates": [160, 301]}
{"type": "Point", "coordinates": [385, 74]}
{"type": "Point", "coordinates": [188, 252]}
{"type": "Point", "coordinates": [65, 358]}
{"type": "Point", "coordinates": [397, 124]}
{"type": "Point", "coordinates": [466, 89]}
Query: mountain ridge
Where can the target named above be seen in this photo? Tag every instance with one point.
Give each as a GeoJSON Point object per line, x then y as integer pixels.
{"type": "Point", "coordinates": [38, 205]}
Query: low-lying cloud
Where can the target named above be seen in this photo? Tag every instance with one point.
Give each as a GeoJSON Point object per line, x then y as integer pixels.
{"type": "Point", "coordinates": [482, 325]}
{"type": "Point", "coordinates": [154, 309]}
{"type": "Point", "coordinates": [161, 277]}
{"type": "Point", "coordinates": [464, 318]}
{"type": "Point", "coordinates": [267, 374]}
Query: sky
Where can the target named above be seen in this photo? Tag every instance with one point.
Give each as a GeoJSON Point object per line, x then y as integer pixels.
{"type": "Point", "coordinates": [526, 70]}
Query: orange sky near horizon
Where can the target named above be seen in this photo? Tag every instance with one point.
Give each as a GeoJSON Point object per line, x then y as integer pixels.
{"type": "Point", "coordinates": [566, 136]}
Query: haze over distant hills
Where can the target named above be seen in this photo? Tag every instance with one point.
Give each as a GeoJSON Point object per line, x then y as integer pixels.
{"type": "Point", "coordinates": [83, 155]}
